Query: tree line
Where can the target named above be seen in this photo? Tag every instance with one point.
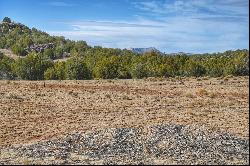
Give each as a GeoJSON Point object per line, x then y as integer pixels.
{"type": "Point", "coordinates": [88, 62]}
{"type": "Point", "coordinates": [97, 64]}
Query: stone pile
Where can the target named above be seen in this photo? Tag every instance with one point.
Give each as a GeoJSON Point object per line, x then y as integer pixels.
{"type": "Point", "coordinates": [164, 144]}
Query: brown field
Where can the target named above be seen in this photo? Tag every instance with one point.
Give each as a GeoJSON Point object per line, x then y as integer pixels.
{"type": "Point", "coordinates": [30, 112]}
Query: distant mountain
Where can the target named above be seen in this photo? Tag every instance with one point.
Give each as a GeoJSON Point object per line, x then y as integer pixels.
{"type": "Point", "coordinates": [143, 50]}
{"type": "Point", "coordinates": [180, 53]}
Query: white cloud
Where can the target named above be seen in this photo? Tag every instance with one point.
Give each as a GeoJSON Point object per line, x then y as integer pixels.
{"type": "Point", "coordinates": [189, 26]}
{"type": "Point", "coordinates": [170, 34]}
{"type": "Point", "coordinates": [195, 7]}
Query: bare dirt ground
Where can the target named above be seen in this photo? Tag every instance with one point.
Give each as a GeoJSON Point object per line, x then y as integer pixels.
{"type": "Point", "coordinates": [31, 112]}
{"type": "Point", "coordinates": [10, 54]}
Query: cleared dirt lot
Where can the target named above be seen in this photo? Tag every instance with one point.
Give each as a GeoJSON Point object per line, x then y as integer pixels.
{"type": "Point", "coordinates": [30, 112]}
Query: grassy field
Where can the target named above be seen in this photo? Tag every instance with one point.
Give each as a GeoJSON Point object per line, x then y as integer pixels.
{"type": "Point", "coordinates": [35, 111]}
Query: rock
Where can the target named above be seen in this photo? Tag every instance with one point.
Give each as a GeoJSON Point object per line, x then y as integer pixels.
{"type": "Point", "coordinates": [39, 47]}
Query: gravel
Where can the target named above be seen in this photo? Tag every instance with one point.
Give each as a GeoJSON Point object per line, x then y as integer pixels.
{"type": "Point", "coordinates": [164, 144]}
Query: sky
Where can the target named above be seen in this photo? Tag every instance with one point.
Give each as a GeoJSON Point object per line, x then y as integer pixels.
{"type": "Point", "coordinates": [192, 26]}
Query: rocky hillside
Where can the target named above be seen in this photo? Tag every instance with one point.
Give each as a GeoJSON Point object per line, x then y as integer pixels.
{"type": "Point", "coordinates": [22, 40]}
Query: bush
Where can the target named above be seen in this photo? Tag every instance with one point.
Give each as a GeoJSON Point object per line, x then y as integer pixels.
{"type": "Point", "coordinates": [107, 68]}
{"type": "Point", "coordinates": [18, 49]}
{"type": "Point", "coordinates": [194, 69]}
{"type": "Point", "coordinates": [138, 71]}
{"type": "Point", "coordinates": [31, 67]}
{"type": "Point", "coordinates": [50, 74]}
{"type": "Point", "coordinates": [5, 67]}
{"type": "Point", "coordinates": [76, 69]}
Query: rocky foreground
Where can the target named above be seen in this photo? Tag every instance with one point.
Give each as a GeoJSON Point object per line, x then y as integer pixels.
{"type": "Point", "coordinates": [161, 144]}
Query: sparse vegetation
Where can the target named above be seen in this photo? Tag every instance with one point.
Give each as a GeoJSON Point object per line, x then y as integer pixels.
{"type": "Point", "coordinates": [202, 92]}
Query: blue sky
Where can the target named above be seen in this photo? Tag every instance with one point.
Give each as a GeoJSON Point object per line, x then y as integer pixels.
{"type": "Point", "coordinates": [195, 26]}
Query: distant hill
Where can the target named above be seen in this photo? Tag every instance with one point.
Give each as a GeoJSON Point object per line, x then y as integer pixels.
{"type": "Point", "coordinates": [143, 50]}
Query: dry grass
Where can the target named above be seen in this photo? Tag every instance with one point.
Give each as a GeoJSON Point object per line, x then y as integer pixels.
{"type": "Point", "coordinates": [202, 92]}
{"type": "Point", "coordinates": [30, 112]}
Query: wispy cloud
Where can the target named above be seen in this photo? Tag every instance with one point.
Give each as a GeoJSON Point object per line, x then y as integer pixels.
{"type": "Point", "coordinates": [195, 8]}
{"type": "Point", "coordinates": [108, 23]}
{"type": "Point", "coordinates": [60, 4]}
{"type": "Point", "coordinates": [189, 26]}
{"type": "Point", "coordinates": [173, 34]}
